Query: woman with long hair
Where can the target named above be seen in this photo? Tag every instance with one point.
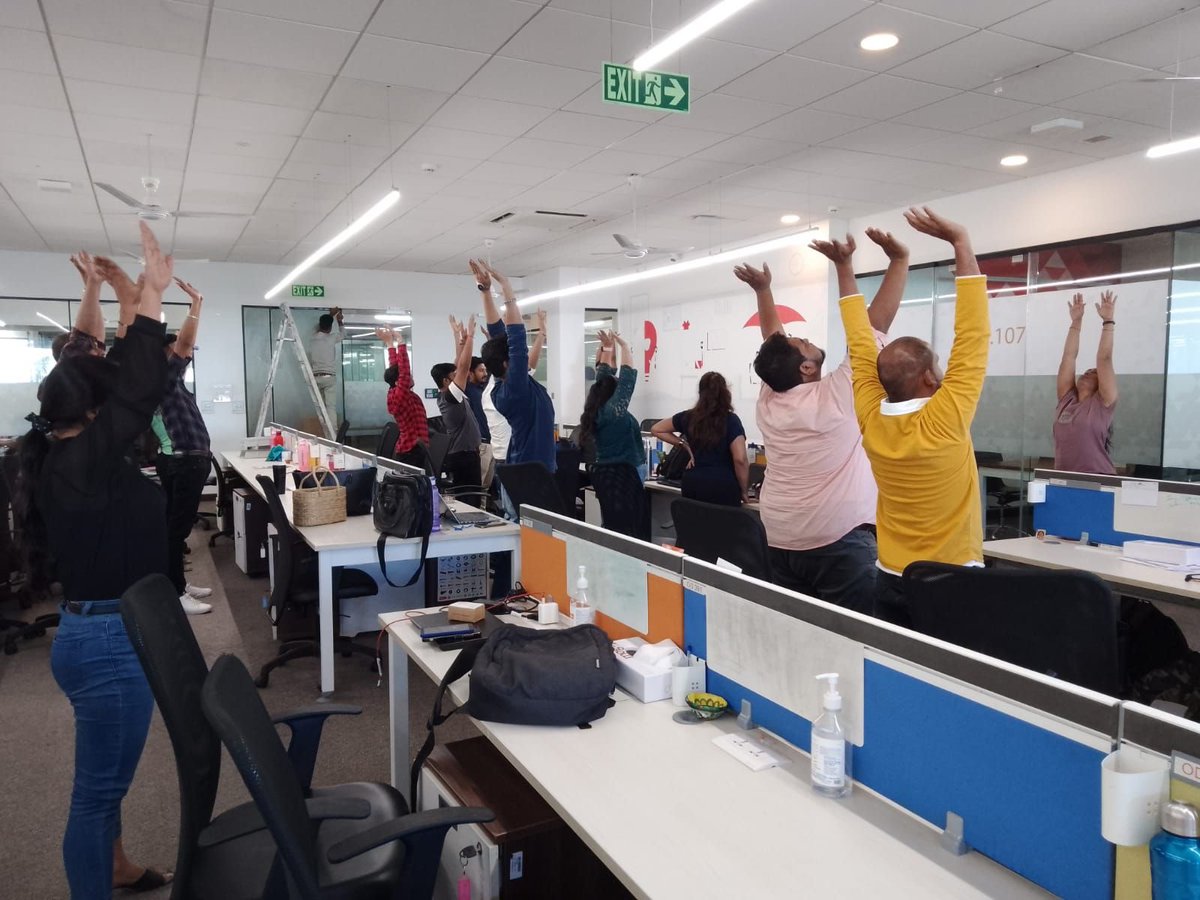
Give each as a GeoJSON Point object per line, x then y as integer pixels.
{"type": "Point", "coordinates": [91, 522]}
{"type": "Point", "coordinates": [712, 433]}
{"type": "Point", "coordinates": [607, 426]}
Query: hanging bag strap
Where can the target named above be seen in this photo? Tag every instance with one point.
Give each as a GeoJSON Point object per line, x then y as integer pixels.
{"type": "Point", "coordinates": [416, 573]}
{"type": "Point", "coordinates": [461, 666]}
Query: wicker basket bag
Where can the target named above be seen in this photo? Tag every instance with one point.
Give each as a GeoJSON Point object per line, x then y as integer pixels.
{"type": "Point", "coordinates": [321, 504]}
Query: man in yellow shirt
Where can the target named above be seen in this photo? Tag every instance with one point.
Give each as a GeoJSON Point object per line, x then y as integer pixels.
{"type": "Point", "coordinates": [916, 425]}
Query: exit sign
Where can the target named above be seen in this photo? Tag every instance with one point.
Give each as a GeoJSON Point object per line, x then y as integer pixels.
{"type": "Point", "coordinates": [308, 290]}
{"type": "Point", "coordinates": [653, 90]}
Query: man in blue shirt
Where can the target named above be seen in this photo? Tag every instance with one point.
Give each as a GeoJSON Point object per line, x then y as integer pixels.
{"type": "Point", "coordinates": [524, 402]}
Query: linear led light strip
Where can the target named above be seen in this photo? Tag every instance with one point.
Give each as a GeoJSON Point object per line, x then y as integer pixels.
{"type": "Point", "coordinates": [388, 201]}
{"type": "Point", "coordinates": [672, 269]}
{"type": "Point", "coordinates": [689, 31]}
{"type": "Point", "coordinates": [1173, 147]}
{"type": "Point", "coordinates": [57, 325]}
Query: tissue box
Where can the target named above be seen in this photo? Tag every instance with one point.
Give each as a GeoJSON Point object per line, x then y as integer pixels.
{"type": "Point", "coordinates": [647, 683]}
{"type": "Point", "coordinates": [1162, 552]}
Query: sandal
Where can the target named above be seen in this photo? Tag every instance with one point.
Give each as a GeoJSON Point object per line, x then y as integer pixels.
{"type": "Point", "coordinates": [150, 880]}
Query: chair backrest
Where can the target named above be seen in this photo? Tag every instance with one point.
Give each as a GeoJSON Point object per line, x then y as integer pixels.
{"type": "Point", "coordinates": [439, 446]}
{"type": "Point", "coordinates": [567, 459]}
{"type": "Point", "coordinates": [285, 557]}
{"type": "Point", "coordinates": [1060, 623]}
{"type": "Point", "coordinates": [708, 531]}
{"type": "Point", "coordinates": [343, 430]}
{"type": "Point", "coordinates": [175, 669]}
{"type": "Point", "coordinates": [234, 709]}
{"type": "Point", "coordinates": [647, 424]}
{"type": "Point", "coordinates": [531, 484]}
{"type": "Point", "coordinates": [387, 441]}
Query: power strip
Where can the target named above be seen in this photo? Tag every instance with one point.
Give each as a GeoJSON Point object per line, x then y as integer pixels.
{"type": "Point", "coordinates": [749, 753]}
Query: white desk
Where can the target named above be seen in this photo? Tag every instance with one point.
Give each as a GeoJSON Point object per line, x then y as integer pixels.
{"type": "Point", "coordinates": [353, 543]}
{"type": "Point", "coordinates": [1130, 578]}
{"type": "Point", "coordinates": [673, 816]}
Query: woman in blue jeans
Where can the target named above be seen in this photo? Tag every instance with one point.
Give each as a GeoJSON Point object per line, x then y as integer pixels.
{"type": "Point", "coordinates": [93, 523]}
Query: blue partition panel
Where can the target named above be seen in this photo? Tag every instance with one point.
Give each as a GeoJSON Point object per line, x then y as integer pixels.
{"type": "Point", "coordinates": [695, 623]}
{"type": "Point", "coordinates": [1070, 511]}
{"type": "Point", "coordinates": [1030, 799]}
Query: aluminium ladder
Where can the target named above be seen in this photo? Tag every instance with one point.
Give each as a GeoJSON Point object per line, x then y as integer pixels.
{"type": "Point", "coordinates": [289, 333]}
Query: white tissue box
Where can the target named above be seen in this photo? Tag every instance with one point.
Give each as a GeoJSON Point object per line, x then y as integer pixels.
{"type": "Point", "coordinates": [1162, 552]}
{"type": "Point", "coordinates": [647, 683]}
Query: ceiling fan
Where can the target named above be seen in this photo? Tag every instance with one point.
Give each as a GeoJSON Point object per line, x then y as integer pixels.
{"type": "Point", "coordinates": [634, 248]}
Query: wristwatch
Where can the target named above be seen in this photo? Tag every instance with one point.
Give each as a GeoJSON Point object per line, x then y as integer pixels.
{"type": "Point", "coordinates": [482, 287]}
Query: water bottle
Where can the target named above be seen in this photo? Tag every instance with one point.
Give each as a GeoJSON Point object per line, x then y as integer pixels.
{"type": "Point", "coordinates": [1175, 854]}
{"type": "Point", "coordinates": [437, 505]}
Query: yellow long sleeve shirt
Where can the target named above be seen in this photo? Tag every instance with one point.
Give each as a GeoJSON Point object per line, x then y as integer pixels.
{"type": "Point", "coordinates": [921, 450]}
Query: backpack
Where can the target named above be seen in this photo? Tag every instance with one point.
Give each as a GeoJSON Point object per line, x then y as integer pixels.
{"type": "Point", "coordinates": [671, 469]}
{"type": "Point", "coordinates": [403, 507]}
{"type": "Point", "coordinates": [524, 676]}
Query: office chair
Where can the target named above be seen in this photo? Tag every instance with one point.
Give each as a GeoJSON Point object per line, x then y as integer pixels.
{"type": "Point", "coordinates": [16, 630]}
{"type": "Point", "coordinates": [568, 458]}
{"type": "Point", "coordinates": [224, 506]}
{"type": "Point", "coordinates": [439, 447]}
{"type": "Point", "coordinates": [342, 431]}
{"type": "Point", "coordinates": [1059, 623]}
{"type": "Point", "coordinates": [647, 424]}
{"type": "Point", "coordinates": [348, 855]}
{"type": "Point", "coordinates": [386, 448]}
{"type": "Point", "coordinates": [708, 531]}
{"type": "Point", "coordinates": [531, 484]}
{"type": "Point", "coordinates": [237, 840]}
{"type": "Point", "coordinates": [296, 591]}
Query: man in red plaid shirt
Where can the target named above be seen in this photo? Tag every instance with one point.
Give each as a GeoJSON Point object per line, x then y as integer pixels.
{"type": "Point", "coordinates": [403, 403]}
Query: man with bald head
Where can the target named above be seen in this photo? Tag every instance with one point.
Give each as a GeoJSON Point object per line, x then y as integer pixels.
{"type": "Point", "coordinates": [916, 426]}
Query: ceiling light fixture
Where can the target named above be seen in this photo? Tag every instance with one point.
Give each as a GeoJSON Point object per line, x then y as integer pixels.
{"type": "Point", "coordinates": [882, 41]}
{"type": "Point", "coordinates": [1172, 147]}
{"type": "Point", "coordinates": [389, 200]}
{"type": "Point", "coordinates": [392, 317]}
{"type": "Point", "coordinates": [689, 265]}
{"type": "Point", "coordinates": [1016, 159]}
{"type": "Point", "coordinates": [57, 325]}
{"type": "Point", "coordinates": [689, 31]}
{"type": "Point", "coordinates": [789, 219]}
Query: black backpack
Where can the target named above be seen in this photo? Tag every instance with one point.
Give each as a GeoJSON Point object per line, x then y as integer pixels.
{"type": "Point", "coordinates": [403, 508]}
{"type": "Point", "coordinates": [674, 464]}
{"type": "Point", "coordinates": [526, 676]}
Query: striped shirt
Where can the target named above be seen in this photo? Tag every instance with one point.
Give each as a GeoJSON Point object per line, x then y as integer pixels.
{"type": "Point", "coordinates": [180, 413]}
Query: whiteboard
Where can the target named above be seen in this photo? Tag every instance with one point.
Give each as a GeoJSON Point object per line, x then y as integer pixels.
{"type": "Point", "coordinates": [616, 582]}
{"type": "Point", "coordinates": [1176, 516]}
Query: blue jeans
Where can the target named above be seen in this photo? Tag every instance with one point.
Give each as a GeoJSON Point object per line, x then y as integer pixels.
{"type": "Point", "coordinates": [842, 573]}
{"type": "Point", "coordinates": [95, 665]}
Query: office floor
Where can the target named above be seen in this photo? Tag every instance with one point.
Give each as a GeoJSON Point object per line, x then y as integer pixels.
{"type": "Point", "coordinates": [37, 737]}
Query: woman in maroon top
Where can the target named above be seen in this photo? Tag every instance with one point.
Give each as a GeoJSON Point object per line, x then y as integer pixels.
{"type": "Point", "coordinates": [1083, 418]}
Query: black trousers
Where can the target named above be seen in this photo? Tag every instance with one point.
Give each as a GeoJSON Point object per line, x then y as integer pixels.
{"type": "Point", "coordinates": [464, 469]}
{"type": "Point", "coordinates": [891, 605]}
{"type": "Point", "coordinates": [622, 496]}
{"type": "Point", "coordinates": [182, 479]}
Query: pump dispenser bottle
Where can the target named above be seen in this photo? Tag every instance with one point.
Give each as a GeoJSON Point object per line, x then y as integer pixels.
{"type": "Point", "coordinates": [829, 743]}
{"type": "Point", "coordinates": [582, 611]}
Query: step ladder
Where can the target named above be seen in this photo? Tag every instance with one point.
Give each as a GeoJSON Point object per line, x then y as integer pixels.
{"type": "Point", "coordinates": [289, 333]}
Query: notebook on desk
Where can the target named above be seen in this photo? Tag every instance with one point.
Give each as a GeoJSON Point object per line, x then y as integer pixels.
{"type": "Point", "coordinates": [430, 623]}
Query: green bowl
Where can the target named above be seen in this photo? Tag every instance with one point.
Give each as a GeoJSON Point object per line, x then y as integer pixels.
{"type": "Point", "coordinates": [714, 708]}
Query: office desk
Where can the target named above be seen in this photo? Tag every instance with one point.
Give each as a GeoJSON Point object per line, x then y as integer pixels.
{"type": "Point", "coordinates": [1129, 578]}
{"type": "Point", "coordinates": [353, 543]}
{"type": "Point", "coordinates": [673, 816]}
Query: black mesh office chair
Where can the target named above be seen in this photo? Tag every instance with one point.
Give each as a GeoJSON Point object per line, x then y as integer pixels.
{"type": "Point", "coordinates": [567, 459]}
{"type": "Point", "coordinates": [342, 431]}
{"type": "Point", "coordinates": [531, 484]}
{"type": "Point", "coordinates": [236, 840]}
{"type": "Point", "coordinates": [1059, 623]}
{"type": "Point", "coordinates": [386, 447]}
{"type": "Point", "coordinates": [12, 570]}
{"type": "Point", "coordinates": [438, 449]}
{"type": "Point", "coordinates": [708, 531]}
{"type": "Point", "coordinates": [346, 856]}
{"type": "Point", "coordinates": [224, 505]}
{"type": "Point", "coordinates": [647, 424]}
{"type": "Point", "coordinates": [295, 593]}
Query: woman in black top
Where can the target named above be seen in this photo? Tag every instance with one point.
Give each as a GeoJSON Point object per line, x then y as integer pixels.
{"type": "Point", "coordinates": [719, 471]}
{"type": "Point", "coordinates": [93, 523]}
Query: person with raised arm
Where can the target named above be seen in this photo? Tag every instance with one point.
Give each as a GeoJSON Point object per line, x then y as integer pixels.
{"type": "Point", "coordinates": [715, 439]}
{"type": "Point", "coordinates": [462, 458]}
{"type": "Point", "coordinates": [87, 334]}
{"type": "Point", "coordinates": [403, 404]}
{"type": "Point", "coordinates": [325, 360]}
{"type": "Point", "coordinates": [916, 425]}
{"type": "Point", "coordinates": [818, 500]}
{"type": "Point", "coordinates": [1083, 418]}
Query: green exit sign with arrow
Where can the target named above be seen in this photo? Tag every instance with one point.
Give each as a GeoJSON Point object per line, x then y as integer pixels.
{"type": "Point", "coordinates": [652, 90]}
{"type": "Point", "coordinates": [308, 290]}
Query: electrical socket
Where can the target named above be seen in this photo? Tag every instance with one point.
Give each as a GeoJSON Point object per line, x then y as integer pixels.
{"type": "Point", "coordinates": [516, 865]}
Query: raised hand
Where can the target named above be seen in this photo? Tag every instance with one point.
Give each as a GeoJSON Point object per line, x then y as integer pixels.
{"type": "Point", "coordinates": [759, 279]}
{"type": "Point", "coordinates": [127, 291]}
{"type": "Point", "coordinates": [1075, 307]}
{"type": "Point", "coordinates": [926, 221]}
{"type": "Point", "coordinates": [888, 243]}
{"type": "Point", "coordinates": [480, 270]}
{"type": "Point", "coordinates": [468, 331]}
{"type": "Point", "coordinates": [456, 328]}
{"type": "Point", "coordinates": [501, 280]}
{"type": "Point", "coordinates": [837, 252]}
{"type": "Point", "coordinates": [85, 264]}
{"type": "Point", "coordinates": [386, 336]}
{"type": "Point", "coordinates": [159, 267]}
{"type": "Point", "coordinates": [541, 320]}
{"type": "Point", "coordinates": [1107, 306]}
{"type": "Point", "coordinates": [191, 291]}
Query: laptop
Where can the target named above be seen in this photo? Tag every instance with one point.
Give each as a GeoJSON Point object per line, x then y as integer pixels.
{"type": "Point", "coordinates": [462, 518]}
{"type": "Point", "coordinates": [430, 623]}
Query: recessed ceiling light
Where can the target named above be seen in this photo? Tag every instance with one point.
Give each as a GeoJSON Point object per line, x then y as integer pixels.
{"type": "Point", "coordinates": [882, 41]}
{"type": "Point", "coordinates": [1017, 159]}
{"type": "Point", "coordinates": [789, 219]}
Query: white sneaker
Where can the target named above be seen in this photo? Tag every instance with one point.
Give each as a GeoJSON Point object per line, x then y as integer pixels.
{"type": "Point", "coordinates": [194, 607]}
{"type": "Point", "coordinates": [198, 592]}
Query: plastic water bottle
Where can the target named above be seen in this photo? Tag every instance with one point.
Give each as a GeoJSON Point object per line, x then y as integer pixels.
{"type": "Point", "coordinates": [1175, 854]}
{"type": "Point", "coordinates": [437, 505]}
{"type": "Point", "coordinates": [581, 611]}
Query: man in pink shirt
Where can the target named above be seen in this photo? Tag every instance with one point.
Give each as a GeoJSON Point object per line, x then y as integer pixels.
{"type": "Point", "coordinates": [818, 500]}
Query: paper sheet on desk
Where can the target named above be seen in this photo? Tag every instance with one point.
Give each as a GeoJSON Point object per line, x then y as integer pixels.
{"type": "Point", "coordinates": [616, 582]}
{"type": "Point", "coordinates": [1166, 567]}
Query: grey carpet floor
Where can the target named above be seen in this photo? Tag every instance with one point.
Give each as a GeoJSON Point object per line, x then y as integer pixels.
{"type": "Point", "coordinates": [37, 733]}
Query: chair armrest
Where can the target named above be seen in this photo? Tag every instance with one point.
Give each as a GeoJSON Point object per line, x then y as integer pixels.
{"type": "Point", "coordinates": [305, 725]}
{"type": "Point", "coordinates": [428, 827]}
{"type": "Point", "coordinates": [243, 820]}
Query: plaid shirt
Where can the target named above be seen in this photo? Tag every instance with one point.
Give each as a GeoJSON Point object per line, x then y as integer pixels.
{"type": "Point", "coordinates": [404, 405]}
{"type": "Point", "coordinates": [180, 414]}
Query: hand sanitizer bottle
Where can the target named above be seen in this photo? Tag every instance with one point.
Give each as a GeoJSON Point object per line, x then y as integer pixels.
{"type": "Point", "coordinates": [581, 610]}
{"type": "Point", "coordinates": [829, 744]}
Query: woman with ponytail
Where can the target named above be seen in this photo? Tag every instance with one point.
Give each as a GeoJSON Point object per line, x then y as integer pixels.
{"type": "Point", "coordinates": [92, 523]}
{"type": "Point", "coordinates": [719, 471]}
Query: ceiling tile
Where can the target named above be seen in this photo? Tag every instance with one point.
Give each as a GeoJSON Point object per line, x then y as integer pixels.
{"type": "Point", "coordinates": [1061, 78]}
{"type": "Point", "coordinates": [980, 15]}
{"type": "Point", "coordinates": [795, 81]}
{"type": "Point", "coordinates": [205, 162]}
{"type": "Point", "coordinates": [358, 130]}
{"type": "Point", "coordinates": [963, 112]}
{"type": "Point", "coordinates": [576, 128]}
{"type": "Point", "coordinates": [381, 101]}
{"type": "Point", "coordinates": [114, 64]}
{"type": "Point", "coordinates": [542, 197]}
{"type": "Point", "coordinates": [436, 142]}
{"type": "Point", "coordinates": [665, 138]}
{"type": "Point", "coordinates": [130, 102]}
{"type": "Point", "coordinates": [1150, 104]}
{"type": "Point", "coordinates": [518, 81]}
{"type": "Point", "coordinates": [26, 51]}
{"type": "Point", "coordinates": [509, 173]}
{"type": "Point", "coordinates": [21, 14]}
{"type": "Point", "coordinates": [121, 130]}
{"type": "Point", "coordinates": [1155, 46]}
{"type": "Point", "coordinates": [464, 24]}
{"type": "Point", "coordinates": [591, 102]}
{"type": "Point", "coordinates": [239, 142]}
{"type": "Point", "coordinates": [408, 63]}
{"type": "Point", "coordinates": [1077, 24]}
{"type": "Point", "coordinates": [782, 24]}
{"type": "Point", "coordinates": [727, 114]}
{"type": "Point", "coordinates": [623, 162]}
{"type": "Point", "coordinates": [312, 197]}
{"type": "Point", "coordinates": [976, 60]}
{"type": "Point", "coordinates": [169, 25]}
{"type": "Point", "coordinates": [1123, 136]}
{"type": "Point", "coordinates": [262, 84]}
{"type": "Point", "coordinates": [809, 126]}
{"type": "Point", "coordinates": [235, 115]}
{"type": "Point", "coordinates": [336, 155]}
{"type": "Point", "coordinates": [494, 116]}
{"type": "Point", "coordinates": [884, 96]}
{"type": "Point", "coordinates": [134, 152]}
{"type": "Point", "coordinates": [32, 89]}
{"type": "Point", "coordinates": [712, 64]}
{"type": "Point", "coordinates": [697, 171]}
{"type": "Point", "coordinates": [560, 38]}
{"type": "Point", "coordinates": [277, 43]}
{"type": "Point", "coordinates": [350, 15]}
{"type": "Point", "coordinates": [556, 154]}
{"type": "Point", "coordinates": [885, 137]}
{"type": "Point", "coordinates": [918, 35]}
{"type": "Point", "coordinates": [35, 120]}
{"type": "Point", "coordinates": [745, 150]}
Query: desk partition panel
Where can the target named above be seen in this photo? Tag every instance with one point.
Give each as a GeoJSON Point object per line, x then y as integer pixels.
{"type": "Point", "coordinates": [1112, 510]}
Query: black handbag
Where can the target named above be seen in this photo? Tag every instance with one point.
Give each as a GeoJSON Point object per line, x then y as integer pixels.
{"type": "Point", "coordinates": [403, 508]}
{"type": "Point", "coordinates": [674, 464]}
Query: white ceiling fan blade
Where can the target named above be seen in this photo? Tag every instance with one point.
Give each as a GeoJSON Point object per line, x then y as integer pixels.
{"type": "Point", "coordinates": [132, 255]}
{"type": "Point", "coordinates": [626, 242]}
{"type": "Point", "coordinates": [183, 214]}
{"type": "Point", "coordinates": [120, 195]}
